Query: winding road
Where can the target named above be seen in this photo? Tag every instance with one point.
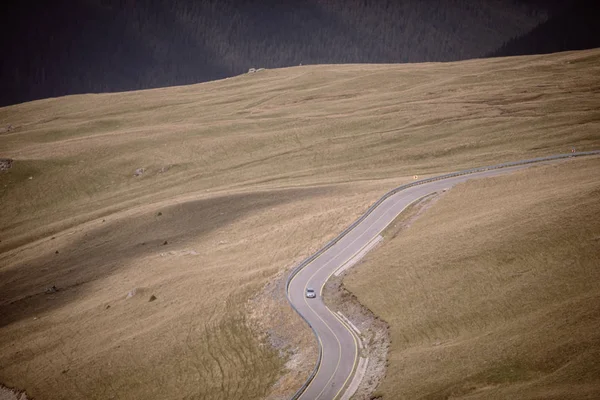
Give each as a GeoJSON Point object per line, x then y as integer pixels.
{"type": "Point", "coordinates": [338, 342]}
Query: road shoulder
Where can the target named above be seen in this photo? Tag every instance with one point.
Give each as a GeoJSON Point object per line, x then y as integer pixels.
{"type": "Point", "coordinates": [372, 330]}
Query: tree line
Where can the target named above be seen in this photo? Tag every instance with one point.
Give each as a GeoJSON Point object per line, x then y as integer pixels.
{"type": "Point", "coordinates": [79, 46]}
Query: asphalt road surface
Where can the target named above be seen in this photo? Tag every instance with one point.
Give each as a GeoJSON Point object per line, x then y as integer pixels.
{"type": "Point", "coordinates": [338, 342]}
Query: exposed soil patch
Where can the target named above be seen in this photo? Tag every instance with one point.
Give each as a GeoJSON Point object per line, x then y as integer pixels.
{"type": "Point", "coordinates": [5, 164]}
{"type": "Point", "coordinates": [8, 394]}
{"type": "Point", "coordinates": [6, 129]}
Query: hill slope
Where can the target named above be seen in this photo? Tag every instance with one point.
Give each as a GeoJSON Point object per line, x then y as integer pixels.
{"type": "Point", "coordinates": [242, 178]}
{"type": "Point", "coordinates": [492, 293]}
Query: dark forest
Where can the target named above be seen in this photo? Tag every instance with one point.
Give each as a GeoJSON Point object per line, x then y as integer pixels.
{"type": "Point", "coordinates": [80, 46]}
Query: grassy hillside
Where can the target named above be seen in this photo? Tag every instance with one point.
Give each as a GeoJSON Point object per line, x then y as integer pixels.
{"type": "Point", "coordinates": [493, 293]}
{"type": "Point", "coordinates": [243, 177]}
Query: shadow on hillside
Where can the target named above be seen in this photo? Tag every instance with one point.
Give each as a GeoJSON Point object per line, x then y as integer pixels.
{"type": "Point", "coordinates": [105, 250]}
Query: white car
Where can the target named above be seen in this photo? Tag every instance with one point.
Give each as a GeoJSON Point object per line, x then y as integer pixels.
{"type": "Point", "coordinates": [310, 293]}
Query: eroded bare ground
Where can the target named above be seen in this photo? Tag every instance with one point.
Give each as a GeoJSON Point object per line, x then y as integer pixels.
{"type": "Point", "coordinates": [7, 394]}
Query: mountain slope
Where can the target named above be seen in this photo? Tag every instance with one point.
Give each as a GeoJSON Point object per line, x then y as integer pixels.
{"type": "Point", "coordinates": [243, 177]}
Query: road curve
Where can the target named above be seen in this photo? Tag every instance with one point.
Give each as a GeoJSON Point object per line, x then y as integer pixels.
{"type": "Point", "coordinates": [338, 344]}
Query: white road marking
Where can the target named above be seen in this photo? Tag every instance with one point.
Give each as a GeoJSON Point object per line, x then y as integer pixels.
{"type": "Point", "coordinates": [346, 320]}
{"type": "Point", "coordinates": [358, 377]}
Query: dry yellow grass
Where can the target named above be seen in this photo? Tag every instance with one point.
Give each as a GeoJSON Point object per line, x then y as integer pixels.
{"type": "Point", "coordinates": [292, 126]}
{"type": "Point", "coordinates": [263, 169]}
{"type": "Point", "coordinates": [493, 292]}
{"type": "Point", "coordinates": [88, 341]}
